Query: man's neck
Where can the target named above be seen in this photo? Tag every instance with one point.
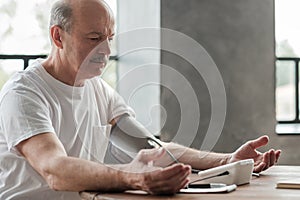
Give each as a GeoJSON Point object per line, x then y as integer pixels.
{"type": "Point", "coordinates": [61, 71]}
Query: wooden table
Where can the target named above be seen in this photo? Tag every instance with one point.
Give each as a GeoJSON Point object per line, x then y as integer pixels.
{"type": "Point", "coordinates": [261, 188]}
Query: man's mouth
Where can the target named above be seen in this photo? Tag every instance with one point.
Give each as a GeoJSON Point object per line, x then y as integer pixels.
{"type": "Point", "coordinates": [99, 58]}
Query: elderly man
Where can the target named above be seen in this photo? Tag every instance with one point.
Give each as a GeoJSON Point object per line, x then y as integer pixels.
{"type": "Point", "coordinates": [56, 116]}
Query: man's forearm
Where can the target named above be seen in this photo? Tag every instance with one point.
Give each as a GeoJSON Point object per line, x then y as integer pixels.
{"type": "Point", "coordinates": [74, 174]}
{"type": "Point", "coordinates": [196, 158]}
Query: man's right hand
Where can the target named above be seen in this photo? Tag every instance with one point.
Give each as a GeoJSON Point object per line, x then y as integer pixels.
{"type": "Point", "coordinates": [157, 180]}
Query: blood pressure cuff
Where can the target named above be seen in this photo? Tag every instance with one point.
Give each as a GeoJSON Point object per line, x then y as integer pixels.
{"type": "Point", "coordinates": [127, 138]}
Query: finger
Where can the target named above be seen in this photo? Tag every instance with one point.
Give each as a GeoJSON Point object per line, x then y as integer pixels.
{"type": "Point", "coordinates": [259, 167]}
{"type": "Point", "coordinates": [176, 169]}
{"type": "Point", "coordinates": [277, 155]}
{"type": "Point", "coordinates": [272, 157]}
{"type": "Point", "coordinates": [147, 155]}
{"type": "Point", "coordinates": [259, 142]}
{"type": "Point", "coordinates": [157, 183]}
{"type": "Point", "coordinates": [170, 186]}
{"type": "Point", "coordinates": [167, 180]}
{"type": "Point", "coordinates": [178, 179]}
{"type": "Point", "coordinates": [185, 184]}
{"type": "Point", "coordinates": [266, 160]}
{"type": "Point", "coordinates": [162, 183]}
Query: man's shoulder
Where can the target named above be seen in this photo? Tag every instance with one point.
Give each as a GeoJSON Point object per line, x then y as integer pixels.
{"type": "Point", "coordinates": [22, 81]}
{"type": "Point", "coordinates": [19, 80]}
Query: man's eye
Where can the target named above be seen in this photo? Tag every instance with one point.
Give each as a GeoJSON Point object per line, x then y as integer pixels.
{"type": "Point", "coordinates": [95, 39]}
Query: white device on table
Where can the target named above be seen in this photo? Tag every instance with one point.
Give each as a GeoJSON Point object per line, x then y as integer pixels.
{"type": "Point", "coordinates": [209, 188]}
{"type": "Point", "coordinates": [238, 173]}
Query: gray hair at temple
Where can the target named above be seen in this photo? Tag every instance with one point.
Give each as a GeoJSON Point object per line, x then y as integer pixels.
{"type": "Point", "coordinates": [61, 15]}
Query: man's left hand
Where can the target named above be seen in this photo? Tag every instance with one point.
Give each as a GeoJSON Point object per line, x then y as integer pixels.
{"type": "Point", "coordinates": [262, 161]}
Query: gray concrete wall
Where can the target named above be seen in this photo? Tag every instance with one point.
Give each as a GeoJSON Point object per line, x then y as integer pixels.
{"type": "Point", "coordinates": [239, 36]}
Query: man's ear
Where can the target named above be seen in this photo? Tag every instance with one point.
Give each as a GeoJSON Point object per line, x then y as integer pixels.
{"type": "Point", "coordinates": [56, 32]}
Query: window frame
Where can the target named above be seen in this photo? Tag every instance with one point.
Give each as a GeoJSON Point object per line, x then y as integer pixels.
{"type": "Point", "coordinates": [291, 127]}
{"type": "Point", "coordinates": [27, 58]}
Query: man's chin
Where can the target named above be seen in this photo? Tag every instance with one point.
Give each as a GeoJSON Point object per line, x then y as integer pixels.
{"type": "Point", "coordinates": [96, 71]}
{"type": "Point", "coordinates": [93, 70]}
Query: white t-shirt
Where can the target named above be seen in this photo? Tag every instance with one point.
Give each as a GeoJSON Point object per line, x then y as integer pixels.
{"type": "Point", "coordinates": [33, 102]}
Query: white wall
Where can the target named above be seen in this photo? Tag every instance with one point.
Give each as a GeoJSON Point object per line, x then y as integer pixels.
{"type": "Point", "coordinates": [139, 59]}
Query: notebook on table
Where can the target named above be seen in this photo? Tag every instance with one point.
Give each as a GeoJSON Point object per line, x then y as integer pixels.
{"type": "Point", "coordinates": [289, 184]}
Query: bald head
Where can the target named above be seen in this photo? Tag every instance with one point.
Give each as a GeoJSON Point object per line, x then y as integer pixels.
{"type": "Point", "coordinates": [66, 13]}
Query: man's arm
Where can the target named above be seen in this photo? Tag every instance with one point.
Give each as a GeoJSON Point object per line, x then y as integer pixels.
{"type": "Point", "coordinates": [47, 156]}
{"type": "Point", "coordinates": [204, 160]}
{"type": "Point", "coordinates": [197, 159]}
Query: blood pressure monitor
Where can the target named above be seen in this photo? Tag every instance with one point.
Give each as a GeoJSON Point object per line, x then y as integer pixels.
{"type": "Point", "coordinates": [238, 173]}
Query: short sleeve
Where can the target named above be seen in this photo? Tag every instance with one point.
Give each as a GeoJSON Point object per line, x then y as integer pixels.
{"type": "Point", "coordinates": [23, 115]}
{"type": "Point", "coordinates": [116, 104]}
{"type": "Point", "coordinates": [119, 107]}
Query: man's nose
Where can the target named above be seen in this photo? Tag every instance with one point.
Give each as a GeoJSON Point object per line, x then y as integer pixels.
{"type": "Point", "coordinates": [104, 47]}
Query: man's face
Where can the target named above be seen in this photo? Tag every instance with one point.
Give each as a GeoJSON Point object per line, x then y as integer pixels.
{"type": "Point", "coordinates": [87, 46]}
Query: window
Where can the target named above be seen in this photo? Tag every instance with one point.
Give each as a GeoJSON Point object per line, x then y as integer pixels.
{"type": "Point", "coordinates": [24, 36]}
{"type": "Point", "coordinates": [287, 65]}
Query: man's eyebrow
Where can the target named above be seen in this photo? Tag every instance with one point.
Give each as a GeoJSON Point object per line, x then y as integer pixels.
{"type": "Point", "coordinates": [100, 33]}
{"type": "Point", "coordinates": [95, 32]}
